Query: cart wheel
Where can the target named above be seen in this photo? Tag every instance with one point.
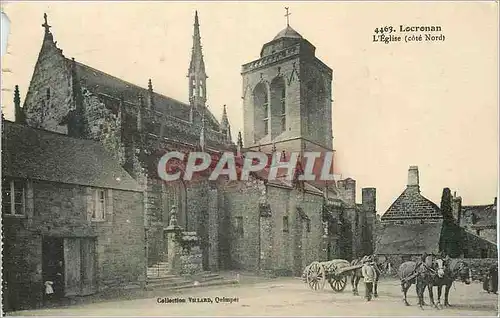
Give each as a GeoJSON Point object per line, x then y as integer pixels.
{"type": "Point", "coordinates": [316, 276]}
{"type": "Point", "coordinates": [338, 282]}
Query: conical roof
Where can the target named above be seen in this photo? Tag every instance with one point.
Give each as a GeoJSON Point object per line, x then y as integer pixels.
{"type": "Point", "coordinates": [288, 32]}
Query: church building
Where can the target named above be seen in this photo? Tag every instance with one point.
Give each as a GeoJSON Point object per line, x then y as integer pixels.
{"type": "Point", "coordinates": [260, 225]}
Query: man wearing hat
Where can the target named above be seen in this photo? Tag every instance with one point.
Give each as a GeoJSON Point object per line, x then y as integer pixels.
{"type": "Point", "coordinates": [369, 277]}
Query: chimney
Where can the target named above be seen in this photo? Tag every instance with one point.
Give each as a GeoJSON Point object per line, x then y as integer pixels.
{"type": "Point", "coordinates": [456, 208]}
{"type": "Point", "coordinates": [347, 189]}
{"type": "Point", "coordinates": [413, 177]}
{"type": "Point", "coordinates": [369, 199]}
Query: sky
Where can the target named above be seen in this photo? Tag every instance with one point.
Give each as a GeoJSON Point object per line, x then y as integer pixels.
{"type": "Point", "coordinates": [430, 104]}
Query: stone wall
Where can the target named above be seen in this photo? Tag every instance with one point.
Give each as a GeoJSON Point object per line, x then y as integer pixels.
{"type": "Point", "coordinates": [478, 247]}
{"type": "Point", "coordinates": [480, 266]}
{"type": "Point", "coordinates": [121, 240]}
{"type": "Point", "coordinates": [242, 205]}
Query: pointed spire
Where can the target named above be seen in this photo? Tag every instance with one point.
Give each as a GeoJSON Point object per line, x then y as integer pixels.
{"type": "Point", "coordinates": [239, 145]}
{"type": "Point", "coordinates": [196, 73]}
{"type": "Point", "coordinates": [19, 113]}
{"type": "Point", "coordinates": [224, 121]}
{"type": "Point", "coordinates": [224, 125]}
{"type": "Point", "coordinates": [151, 101]}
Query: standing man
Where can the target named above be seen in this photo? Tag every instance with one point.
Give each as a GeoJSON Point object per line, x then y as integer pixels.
{"type": "Point", "coordinates": [369, 276]}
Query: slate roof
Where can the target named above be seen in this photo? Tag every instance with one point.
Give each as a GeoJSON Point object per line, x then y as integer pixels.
{"type": "Point", "coordinates": [99, 82]}
{"type": "Point", "coordinates": [409, 238]}
{"type": "Point", "coordinates": [38, 154]}
{"type": "Point", "coordinates": [485, 215]}
{"type": "Point", "coordinates": [412, 205]}
{"type": "Point", "coordinates": [288, 32]}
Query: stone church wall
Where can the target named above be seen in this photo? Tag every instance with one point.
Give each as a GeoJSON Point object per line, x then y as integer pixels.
{"type": "Point", "coordinates": [50, 95]}
{"type": "Point", "coordinates": [242, 208]}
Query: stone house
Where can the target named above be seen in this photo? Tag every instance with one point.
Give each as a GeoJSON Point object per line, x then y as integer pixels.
{"type": "Point", "coordinates": [414, 225]}
{"type": "Point", "coordinates": [480, 220]}
{"type": "Point", "coordinates": [234, 221]}
{"type": "Point", "coordinates": [71, 214]}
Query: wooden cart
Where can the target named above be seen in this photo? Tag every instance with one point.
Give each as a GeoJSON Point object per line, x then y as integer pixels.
{"type": "Point", "coordinates": [335, 272]}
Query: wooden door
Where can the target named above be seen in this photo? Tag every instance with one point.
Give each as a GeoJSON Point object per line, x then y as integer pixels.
{"type": "Point", "coordinates": [72, 266]}
{"type": "Point", "coordinates": [88, 263]}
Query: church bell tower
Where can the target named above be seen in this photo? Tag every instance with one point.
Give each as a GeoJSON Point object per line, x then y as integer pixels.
{"type": "Point", "coordinates": [287, 96]}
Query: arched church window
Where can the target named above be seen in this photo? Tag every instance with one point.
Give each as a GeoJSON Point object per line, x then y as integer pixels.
{"type": "Point", "coordinates": [283, 109]}
{"type": "Point", "coordinates": [261, 111]}
{"type": "Point", "coordinates": [193, 87]}
{"type": "Point", "coordinates": [200, 90]}
{"type": "Point", "coordinates": [278, 104]}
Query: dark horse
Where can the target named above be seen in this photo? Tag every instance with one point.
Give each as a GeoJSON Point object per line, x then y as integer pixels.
{"type": "Point", "coordinates": [357, 274]}
{"type": "Point", "coordinates": [455, 269]}
{"type": "Point", "coordinates": [422, 275]}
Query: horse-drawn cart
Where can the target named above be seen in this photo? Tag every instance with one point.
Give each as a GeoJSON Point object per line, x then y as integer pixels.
{"type": "Point", "coordinates": [335, 272]}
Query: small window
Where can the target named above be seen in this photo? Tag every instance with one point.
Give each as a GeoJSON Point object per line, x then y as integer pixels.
{"type": "Point", "coordinates": [285, 224]}
{"type": "Point", "coordinates": [13, 197]}
{"type": "Point", "coordinates": [308, 226]}
{"type": "Point", "coordinates": [238, 224]}
{"type": "Point", "coordinates": [48, 93]}
{"type": "Point", "coordinates": [99, 213]}
{"type": "Point", "coordinates": [200, 90]}
{"type": "Point", "coordinates": [266, 126]}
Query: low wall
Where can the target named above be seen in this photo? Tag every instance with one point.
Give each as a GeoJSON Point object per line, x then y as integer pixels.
{"type": "Point", "coordinates": [480, 266]}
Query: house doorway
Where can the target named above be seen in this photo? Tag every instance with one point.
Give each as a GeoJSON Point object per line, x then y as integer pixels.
{"type": "Point", "coordinates": [53, 264]}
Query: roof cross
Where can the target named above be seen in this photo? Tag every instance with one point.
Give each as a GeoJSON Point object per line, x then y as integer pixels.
{"type": "Point", "coordinates": [46, 24]}
{"type": "Point", "coordinates": [287, 15]}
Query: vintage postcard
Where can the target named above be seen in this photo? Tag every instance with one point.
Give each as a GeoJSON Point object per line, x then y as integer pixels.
{"type": "Point", "coordinates": [249, 158]}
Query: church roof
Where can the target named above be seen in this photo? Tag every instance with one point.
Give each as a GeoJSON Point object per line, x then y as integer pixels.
{"type": "Point", "coordinates": [412, 205]}
{"type": "Point", "coordinates": [289, 33]}
{"type": "Point", "coordinates": [42, 155]}
{"type": "Point", "coordinates": [100, 82]}
{"type": "Point", "coordinates": [409, 239]}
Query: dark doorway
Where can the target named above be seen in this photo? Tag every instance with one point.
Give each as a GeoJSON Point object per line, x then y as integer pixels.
{"type": "Point", "coordinates": [53, 263]}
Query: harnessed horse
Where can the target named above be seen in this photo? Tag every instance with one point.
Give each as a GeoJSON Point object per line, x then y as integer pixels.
{"type": "Point", "coordinates": [422, 276]}
{"type": "Point", "coordinates": [454, 269]}
{"type": "Point", "coordinates": [358, 274]}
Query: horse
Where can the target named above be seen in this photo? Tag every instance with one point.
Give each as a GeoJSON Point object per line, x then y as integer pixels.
{"type": "Point", "coordinates": [422, 276]}
{"type": "Point", "coordinates": [357, 275]}
{"type": "Point", "coordinates": [454, 269]}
